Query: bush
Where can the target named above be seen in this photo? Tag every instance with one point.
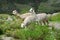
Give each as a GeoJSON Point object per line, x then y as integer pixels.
{"type": "Point", "coordinates": [32, 32]}
{"type": "Point", "coordinates": [56, 18]}
{"type": "Point", "coordinates": [29, 33]}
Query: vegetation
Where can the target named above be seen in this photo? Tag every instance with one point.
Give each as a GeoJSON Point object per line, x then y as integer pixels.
{"type": "Point", "coordinates": [32, 32]}
{"type": "Point", "coordinates": [48, 6]}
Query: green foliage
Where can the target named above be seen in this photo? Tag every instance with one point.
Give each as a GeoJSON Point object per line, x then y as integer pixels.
{"type": "Point", "coordinates": [56, 18]}
{"type": "Point", "coordinates": [33, 31]}
{"type": "Point", "coordinates": [50, 36]}
{"type": "Point", "coordinates": [9, 25]}
{"type": "Point", "coordinates": [23, 6]}
{"type": "Point", "coordinates": [44, 7]}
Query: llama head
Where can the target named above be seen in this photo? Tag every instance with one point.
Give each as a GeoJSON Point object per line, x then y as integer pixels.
{"type": "Point", "coordinates": [14, 12]}
{"type": "Point", "coordinates": [31, 10]}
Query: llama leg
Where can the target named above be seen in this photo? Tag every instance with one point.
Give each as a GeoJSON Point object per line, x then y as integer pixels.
{"type": "Point", "coordinates": [44, 22]}
{"type": "Point", "coordinates": [40, 23]}
{"type": "Point", "coordinates": [25, 27]}
{"type": "Point", "coordinates": [36, 22]}
{"type": "Point", "coordinates": [47, 22]}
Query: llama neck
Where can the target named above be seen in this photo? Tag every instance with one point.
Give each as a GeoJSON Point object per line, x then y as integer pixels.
{"type": "Point", "coordinates": [18, 15]}
{"type": "Point", "coordinates": [33, 13]}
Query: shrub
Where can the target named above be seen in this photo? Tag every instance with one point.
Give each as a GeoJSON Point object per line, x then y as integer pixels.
{"type": "Point", "coordinates": [56, 18]}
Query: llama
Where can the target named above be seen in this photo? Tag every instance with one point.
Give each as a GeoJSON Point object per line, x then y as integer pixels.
{"type": "Point", "coordinates": [27, 20]}
{"type": "Point", "coordinates": [22, 16]}
{"type": "Point", "coordinates": [40, 18]}
{"type": "Point", "coordinates": [43, 18]}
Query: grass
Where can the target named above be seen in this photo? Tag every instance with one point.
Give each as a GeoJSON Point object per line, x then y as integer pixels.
{"type": "Point", "coordinates": [56, 18]}
{"type": "Point", "coordinates": [32, 32]}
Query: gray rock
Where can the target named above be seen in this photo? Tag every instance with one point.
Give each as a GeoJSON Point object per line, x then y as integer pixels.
{"type": "Point", "coordinates": [54, 14]}
{"type": "Point", "coordinates": [7, 38]}
{"type": "Point", "coordinates": [55, 25]}
{"type": "Point", "coordinates": [9, 18]}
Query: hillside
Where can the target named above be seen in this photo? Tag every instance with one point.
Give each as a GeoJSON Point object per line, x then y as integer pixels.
{"type": "Point", "coordinates": [36, 32]}
{"type": "Point", "coordinates": [48, 6]}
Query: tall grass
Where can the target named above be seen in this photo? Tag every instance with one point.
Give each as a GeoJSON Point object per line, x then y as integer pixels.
{"type": "Point", "coordinates": [32, 32]}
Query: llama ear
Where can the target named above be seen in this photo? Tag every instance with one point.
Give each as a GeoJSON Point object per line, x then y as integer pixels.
{"type": "Point", "coordinates": [31, 9]}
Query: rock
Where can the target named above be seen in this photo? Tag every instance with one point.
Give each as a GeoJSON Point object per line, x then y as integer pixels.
{"type": "Point", "coordinates": [54, 14]}
{"type": "Point", "coordinates": [55, 25]}
{"type": "Point", "coordinates": [7, 38]}
{"type": "Point", "coordinates": [9, 19]}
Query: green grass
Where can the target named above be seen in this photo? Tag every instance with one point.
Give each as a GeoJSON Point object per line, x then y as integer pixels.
{"type": "Point", "coordinates": [56, 18]}
{"type": "Point", "coordinates": [33, 31]}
